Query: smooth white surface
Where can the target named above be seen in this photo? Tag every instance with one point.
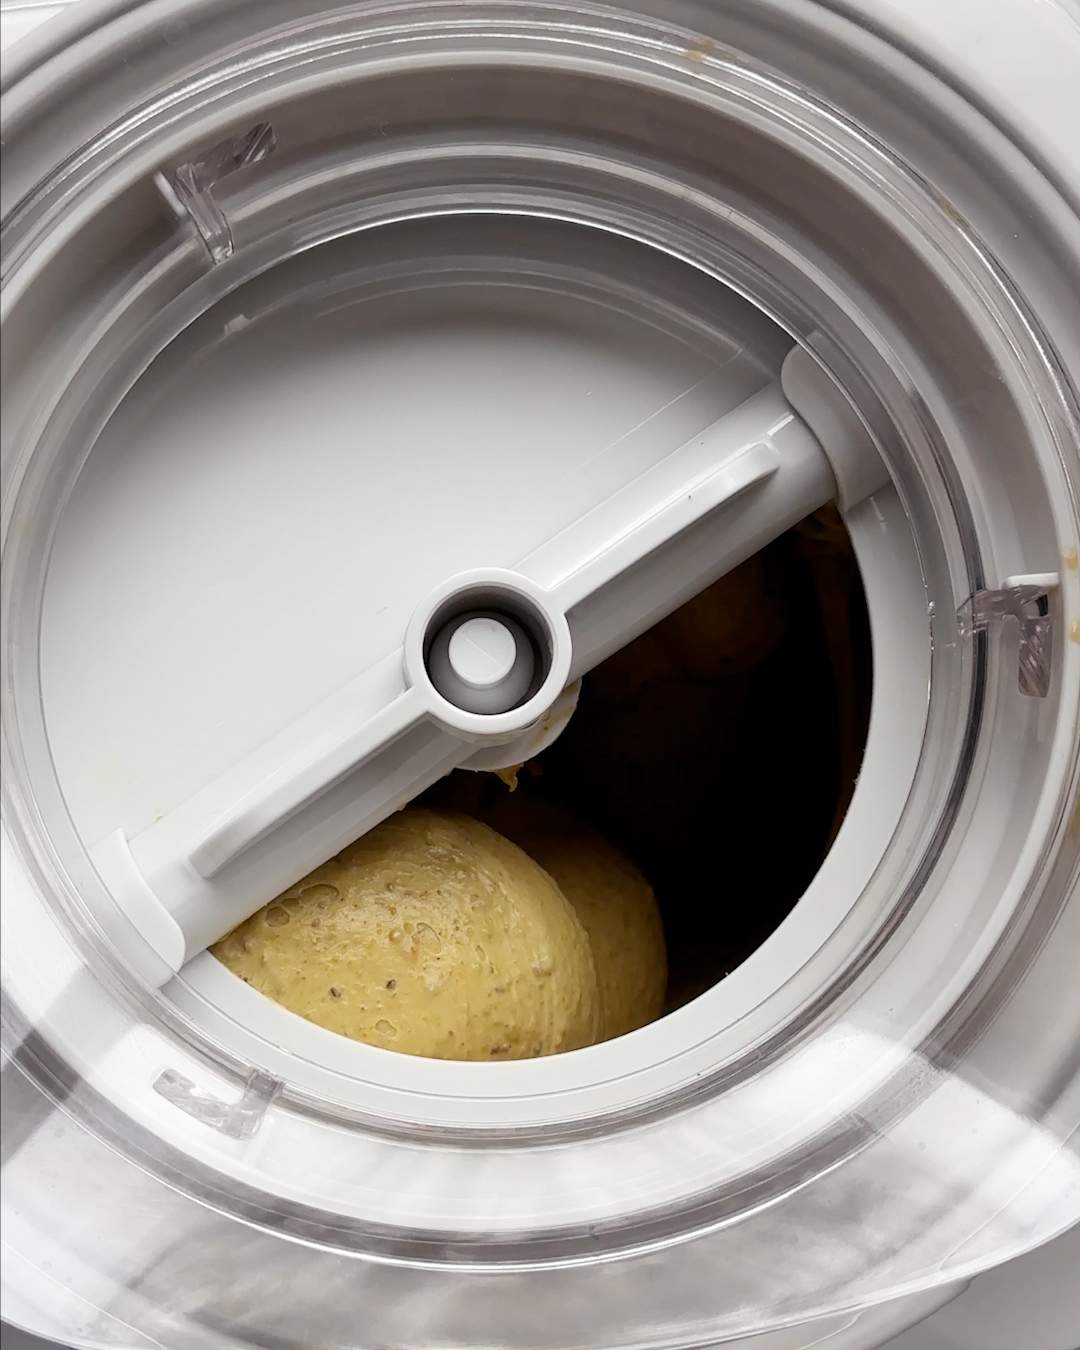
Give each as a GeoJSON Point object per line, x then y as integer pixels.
{"type": "Point", "coordinates": [186, 708]}
{"type": "Point", "coordinates": [482, 652]}
{"type": "Point", "coordinates": [19, 17]}
{"type": "Point", "coordinates": [1018, 51]}
{"type": "Point", "coordinates": [857, 467]}
{"type": "Point", "coordinates": [214, 597]}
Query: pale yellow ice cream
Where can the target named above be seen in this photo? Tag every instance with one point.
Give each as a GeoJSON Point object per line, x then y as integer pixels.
{"type": "Point", "coordinates": [432, 935]}
{"type": "Point", "coordinates": [613, 900]}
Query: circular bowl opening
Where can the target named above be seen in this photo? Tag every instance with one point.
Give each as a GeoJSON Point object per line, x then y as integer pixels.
{"type": "Point", "coordinates": [540, 348]}
{"type": "Point", "coordinates": [207, 584]}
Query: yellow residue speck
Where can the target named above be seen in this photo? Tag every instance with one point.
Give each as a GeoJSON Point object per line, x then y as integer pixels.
{"type": "Point", "coordinates": [1074, 630]}
{"type": "Point", "coordinates": [1071, 559]}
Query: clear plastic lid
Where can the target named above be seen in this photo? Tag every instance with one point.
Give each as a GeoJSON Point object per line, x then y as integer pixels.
{"type": "Point", "coordinates": [330, 333]}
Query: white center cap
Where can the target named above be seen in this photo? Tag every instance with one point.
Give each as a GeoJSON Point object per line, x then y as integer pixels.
{"type": "Point", "coordinates": [482, 652]}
